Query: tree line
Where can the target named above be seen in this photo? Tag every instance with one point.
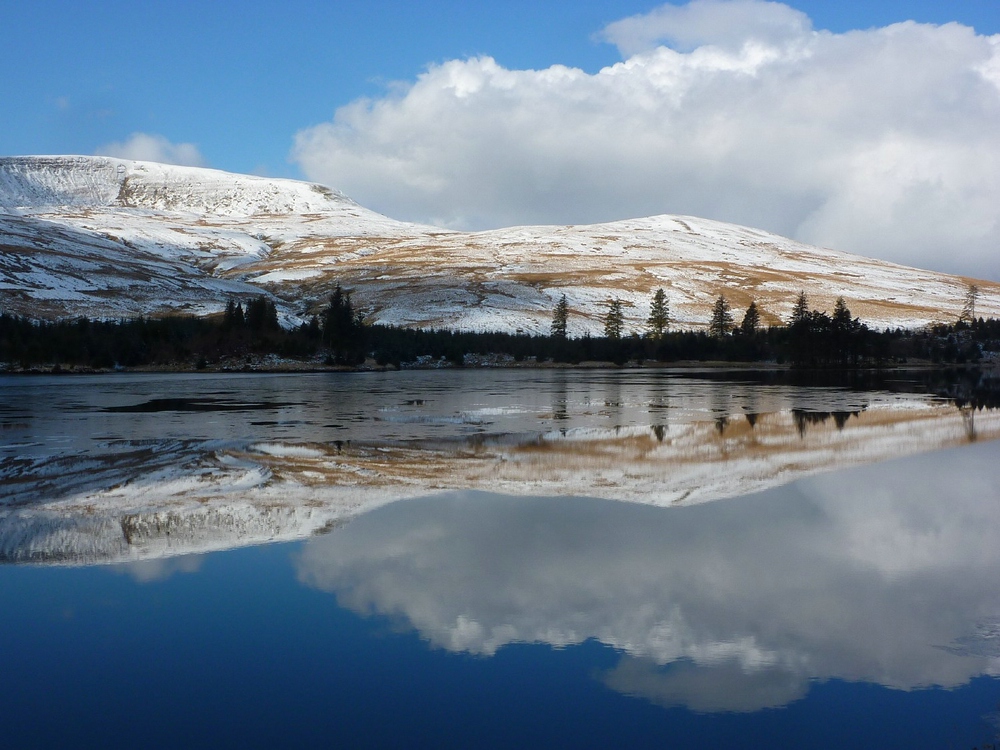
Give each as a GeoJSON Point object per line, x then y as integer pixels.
{"type": "Point", "coordinates": [810, 339]}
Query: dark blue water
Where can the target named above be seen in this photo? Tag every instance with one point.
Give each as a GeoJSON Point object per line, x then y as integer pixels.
{"type": "Point", "coordinates": [856, 609]}
{"type": "Point", "coordinates": [240, 655]}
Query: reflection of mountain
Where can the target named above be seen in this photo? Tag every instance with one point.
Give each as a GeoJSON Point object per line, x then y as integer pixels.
{"type": "Point", "coordinates": [884, 574]}
{"type": "Point", "coordinates": [151, 498]}
{"type": "Point", "coordinates": [49, 536]}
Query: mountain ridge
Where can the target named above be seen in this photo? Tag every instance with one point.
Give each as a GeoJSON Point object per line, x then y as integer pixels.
{"type": "Point", "coordinates": [107, 237]}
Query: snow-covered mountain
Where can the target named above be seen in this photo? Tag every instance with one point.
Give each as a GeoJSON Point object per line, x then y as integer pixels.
{"type": "Point", "coordinates": [108, 237]}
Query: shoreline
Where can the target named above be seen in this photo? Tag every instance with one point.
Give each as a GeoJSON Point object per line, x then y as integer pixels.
{"type": "Point", "coordinates": [295, 367]}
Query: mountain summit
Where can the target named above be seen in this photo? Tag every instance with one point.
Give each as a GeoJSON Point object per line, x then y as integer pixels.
{"type": "Point", "coordinates": [108, 237]}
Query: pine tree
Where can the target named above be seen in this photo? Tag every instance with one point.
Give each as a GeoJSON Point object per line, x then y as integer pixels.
{"type": "Point", "coordinates": [614, 321]}
{"type": "Point", "coordinates": [659, 315]}
{"type": "Point", "coordinates": [233, 317]}
{"type": "Point", "coordinates": [339, 323]}
{"type": "Point", "coordinates": [842, 321]}
{"type": "Point", "coordinates": [560, 316]}
{"type": "Point", "coordinates": [969, 308]}
{"type": "Point", "coordinates": [751, 320]}
{"type": "Point", "coordinates": [843, 329]}
{"type": "Point", "coordinates": [800, 313]}
{"type": "Point", "coordinates": [262, 315]}
{"type": "Point", "coordinates": [722, 319]}
{"type": "Point", "coordinates": [313, 330]}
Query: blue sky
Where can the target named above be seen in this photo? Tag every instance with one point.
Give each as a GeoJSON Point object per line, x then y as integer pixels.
{"type": "Point", "coordinates": [882, 146]}
{"type": "Point", "coordinates": [238, 79]}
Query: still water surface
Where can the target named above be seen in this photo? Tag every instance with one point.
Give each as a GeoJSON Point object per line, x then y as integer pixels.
{"type": "Point", "coordinates": [846, 601]}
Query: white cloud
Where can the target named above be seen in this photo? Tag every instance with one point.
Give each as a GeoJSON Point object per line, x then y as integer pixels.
{"type": "Point", "coordinates": [726, 23]}
{"type": "Point", "coordinates": [882, 142]}
{"type": "Point", "coordinates": [152, 147]}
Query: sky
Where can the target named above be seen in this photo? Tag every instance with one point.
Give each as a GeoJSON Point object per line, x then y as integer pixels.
{"type": "Point", "coordinates": [870, 127]}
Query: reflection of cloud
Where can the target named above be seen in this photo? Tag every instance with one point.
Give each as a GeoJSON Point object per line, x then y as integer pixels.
{"type": "Point", "coordinates": [724, 687]}
{"type": "Point", "coordinates": [147, 571]}
{"type": "Point", "coordinates": [859, 575]}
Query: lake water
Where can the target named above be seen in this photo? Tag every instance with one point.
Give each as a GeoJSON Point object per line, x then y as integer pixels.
{"type": "Point", "coordinates": [497, 559]}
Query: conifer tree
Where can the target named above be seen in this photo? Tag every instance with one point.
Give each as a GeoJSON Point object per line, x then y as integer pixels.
{"type": "Point", "coordinates": [843, 329]}
{"type": "Point", "coordinates": [800, 313]}
{"type": "Point", "coordinates": [560, 317]}
{"type": "Point", "coordinates": [751, 320]}
{"type": "Point", "coordinates": [262, 315]}
{"type": "Point", "coordinates": [842, 321]}
{"type": "Point", "coordinates": [969, 308]}
{"type": "Point", "coordinates": [233, 317]}
{"type": "Point", "coordinates": [614, 321]}
{"type": "Point", "coordinates": [338, 325]}
{"type": "Point", "coordinates": [659, 315]}
{"type": "Point", "coordinates": [722, 319]}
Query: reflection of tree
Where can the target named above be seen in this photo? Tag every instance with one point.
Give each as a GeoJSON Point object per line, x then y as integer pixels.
{"type": "Point", "coordinates": [721, 422]}
{"type": "Point", "coordinates": [722, 397]}
{"type": "Point", "coordinates": [659, 404]}
{"type": "Point", "coordinates": [840, 417]}
{"type": "Point", "coordinates": [751, 407]}
{"type": "Point", "coordinates": [613, 395]}
{"type": "Point", "coordinates": [799, 417]}
{"type": "Point", "coordinates": [804, 418]}
{"type": "Point", "coordinates": [559, 398]}
{"type": "Point", "coordinates": [968, 422]}
{"type": "Point", "coordinates": [972, 388]}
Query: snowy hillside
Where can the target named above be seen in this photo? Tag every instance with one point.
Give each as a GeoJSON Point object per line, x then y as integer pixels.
{"type": "Point", "coordinates": [108, 237]}
{"type": "Point", "coordinates": [84, 181]}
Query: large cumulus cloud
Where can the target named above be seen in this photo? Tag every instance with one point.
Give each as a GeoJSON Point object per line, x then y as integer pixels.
{"type": "Point", "coordinates": [882, 142]}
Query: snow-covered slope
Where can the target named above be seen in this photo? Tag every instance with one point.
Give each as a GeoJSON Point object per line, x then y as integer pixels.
{"type": "Point", "coordinates": [107, 237]}
{"type": "Point", "coordinates": [84, 181]}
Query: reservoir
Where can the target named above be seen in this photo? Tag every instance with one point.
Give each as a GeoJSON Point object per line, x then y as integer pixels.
{"type": "Point", "coordinates": [499, 558]}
